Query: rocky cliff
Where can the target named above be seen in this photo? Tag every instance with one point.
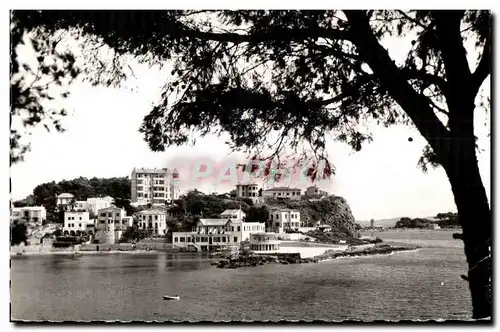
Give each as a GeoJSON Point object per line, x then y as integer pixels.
{"type": "Point", "coordinates": [331, 210]}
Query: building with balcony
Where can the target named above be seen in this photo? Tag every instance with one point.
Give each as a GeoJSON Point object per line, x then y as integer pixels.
{"type": "Point", "coordinates": [314, 191]}
{"type": "Point", "coordinates": [35, 214]}
{"type": "Point", "coordinates": [282, 220]}
{"type": "Point", "coordinates": [81, 206]}
{"type": "Point", "coordinates": [251, 191]}
{"type": "Point", "coordinates": [65, 202]}
{"type": "Point", "coordinates": [154, 186]}
{"type": "Point", "coordinates": [111, 223]}
{"type": "Point", "coordinates": [282, 193]}
{"type": "Point", "coordinates": [228, 230]}
{"type": "Point", "coordinates": [153, 221]}
{"type": "Point", "coordinates": [75, 222]}
{"type": "Point", "coordinates": [264, 242]}
{"type": "Point", "coordinates": [94, 204]}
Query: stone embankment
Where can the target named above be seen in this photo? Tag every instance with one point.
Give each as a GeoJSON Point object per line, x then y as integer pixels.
{"type": "Point", "coordinates": [252, 259]}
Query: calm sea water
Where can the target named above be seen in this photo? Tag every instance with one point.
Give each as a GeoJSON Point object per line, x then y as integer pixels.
{"type": "Point", "coordinates": [405, 285]}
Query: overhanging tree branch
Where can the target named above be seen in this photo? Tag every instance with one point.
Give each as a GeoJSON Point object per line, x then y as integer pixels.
{"type": "Point", "coordinates": [415, 105]}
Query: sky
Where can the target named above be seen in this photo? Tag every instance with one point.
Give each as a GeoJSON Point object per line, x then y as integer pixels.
{"type": "Point", "coordinates": [102, 140]}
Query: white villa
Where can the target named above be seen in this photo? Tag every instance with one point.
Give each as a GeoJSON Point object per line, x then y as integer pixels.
{"type": "Point", "coordinates": [75, 221]}
{"type": "Point", "coordinates": [314, 191]}
{"type": "Point", "coordinates": [154, 221]}
{"type": "Point", "coordinates": [228, 230]}
{"type": "Point", "coordinates": [65, 201]}
{"type": "Point", "coordinates": [282, 219]}
{"type": "Point", "coordinates": [283, 193]}
{"type": "Point", "coordinates": [35, 214]}
{"type": "Point", "coordinates": [111, 223]}
{"type": "Point", "coordinates": [264, 242]}
{"type": "Point", "coordinates": [93, 204]}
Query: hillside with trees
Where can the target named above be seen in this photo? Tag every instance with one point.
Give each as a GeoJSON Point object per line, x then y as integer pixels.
{"type": "Point", "coordinates": [82, 188]}
{"type": "Point", "coordinates": [331, 210]}
{"type": "Point", "coordinates": [300, 76]}
{"type": "Point", "coordinates": [443, 220]}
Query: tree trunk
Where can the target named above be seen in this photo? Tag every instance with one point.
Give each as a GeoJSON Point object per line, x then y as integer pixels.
{"type": "Point", "coordinates": [475, 217]}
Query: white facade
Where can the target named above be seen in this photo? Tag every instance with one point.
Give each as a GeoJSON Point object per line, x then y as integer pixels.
{"type": "Point", "coordinates": [35, 214]}
{"type": "Point", "coordinates": [154, 186]}
{"type": "Point", "coordinates": [75, 221]}
{"type": "Point", "coordinates": [233, 214]}
{"type": "Point", "coordinates": [111, 223]}
{"type": "Point", "coordinates": [81, 205]}
{"type": "Point", "coordinates": [283, 219]}
{"type": "Point", "coordinates": [250, 191]}
{"type": "Point", "coordinates": [154, 221]}
{"type": "Point", "coordinates": [264, 242]}
{"type": "Point", "coordinates": [97, 203]}
{"type": "Point", "coordinates": [65, 201]}
{"type": "Point", "coordinates": [314, 191]}
{"type": "Point", "coordinates": [229, 230]}
{"type": "Point", "coordinates": [283, 193]}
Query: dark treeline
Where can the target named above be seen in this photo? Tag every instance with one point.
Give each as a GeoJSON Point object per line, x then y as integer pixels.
{"type": "Point", "coordinates": [82, 188]}
{"type": "Point", "coordinates": [444, 220]}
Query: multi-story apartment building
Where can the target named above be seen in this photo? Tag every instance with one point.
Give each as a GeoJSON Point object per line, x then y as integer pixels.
{"type": "Point", "coordinates": [35, 214]}
{"type": "Point", "coordinates": [250, 190]}
{"type": "Point", "coordinates": [154, 186]}
{"type": "Point", "coordinates": [283, 219]}
{"type": "Point", "coordinates": [314, 191]}
{"type": "Point", "coordinates": [283, 193]}
{"type": "Point", "coordinates": [153, 221]}
{"type": "Point", "coordinates": [229, 230]}
{"type": "Point", "coordinates": [111, 223]}
{"type": "Point", "coordinates": [75, 221]}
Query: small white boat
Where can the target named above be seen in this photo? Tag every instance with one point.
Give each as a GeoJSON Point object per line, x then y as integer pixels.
{"type": "Point", "coordinates": [168, 297]}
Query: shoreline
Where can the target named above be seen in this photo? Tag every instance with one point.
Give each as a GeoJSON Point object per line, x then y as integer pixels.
{"type": "Point", "coordinates": [253, 260]}
{"type": "Point", "coordinates": [82, 253]}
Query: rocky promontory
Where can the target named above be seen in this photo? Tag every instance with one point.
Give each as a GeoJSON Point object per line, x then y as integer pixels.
{"type": "Point", "coordinates": [252, 260]}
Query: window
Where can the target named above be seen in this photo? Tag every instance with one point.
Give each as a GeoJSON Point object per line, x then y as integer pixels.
{"type": "Point", "coordinates": [176, 239]}
{"type": "Point", "coordinates": [110, 214]}
{"type": "Point", "coordinates": [139, 195]}
{"type": "Point", "coordinates": [293, 193]}
{"type": "Point", "coordinates": [285, 216]}
{"type": "Point", "coordinates": [217, 239]}
{"type": "Point", "coordinates": [197, 239]}
{"type": "Point", "coordinates": [140, 188]}
{"type": "Point", "coordinates": [239, 228]}
{"type": "Point", "coordinates": [277, 216]}
{"type": "Point", "coordinates": [182, 239]}
{"type": "Point", "coordinates": [271, 217]}
{"type": "Point", "coordinates": [288, 194]}
{"type": "Point", "coordinates": [80, 225]}
{"type": "Point", "coordinates": [80, 218]}
{"type": "Point", "coordinates": [223, 239]}
{"type": "Point", "coordinates": [235, 239]}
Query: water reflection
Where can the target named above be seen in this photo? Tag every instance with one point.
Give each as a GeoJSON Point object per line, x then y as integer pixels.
{"type": "Point", "coordinates": [130, 286]}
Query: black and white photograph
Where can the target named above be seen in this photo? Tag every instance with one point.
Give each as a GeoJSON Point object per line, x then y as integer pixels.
{"type": "Point", "coordinates": [250, 166]}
